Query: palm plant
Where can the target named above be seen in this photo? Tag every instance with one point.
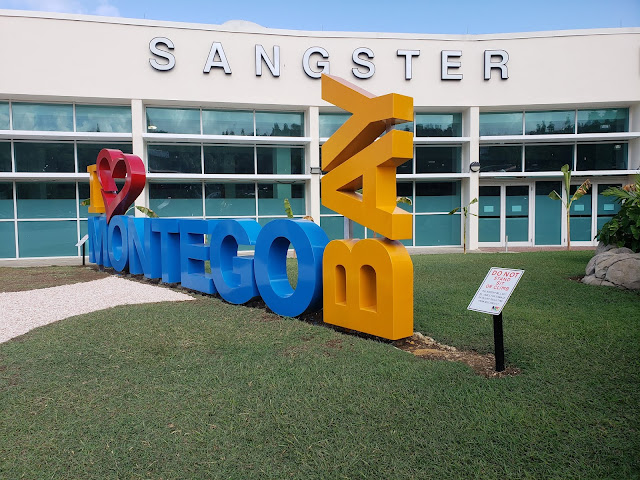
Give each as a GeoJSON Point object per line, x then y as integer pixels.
{"type": "Point", "coordinates": [582, 190]}
{"type": "Point", "coordinates": [465, 213]}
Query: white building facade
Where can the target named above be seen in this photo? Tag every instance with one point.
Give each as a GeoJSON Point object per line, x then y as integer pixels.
{"type": "Point", "coordinates": [229, 122]}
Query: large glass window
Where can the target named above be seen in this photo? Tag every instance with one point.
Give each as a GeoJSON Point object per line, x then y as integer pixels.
{"type": "Point", "coordinates": [517, 213]}
{"type": "Point", "coordinates": [604, 120]}
{"type": "Point", "coordinates": [230, 199]}
{"type": "Point", "coordinates": [433, 230]}
{"type": "Point", "coordinates": [84, 193]}
{"type": "Point", "coordinates": [5, 156]}
{"type": "Point", "coordinates": [4, 116]}
{"type": "Point", "coordinates": [228, 159]}
{"type": "Point", "coordinates": [506, 158]}
{"type": "Point", "coordinates": [176, 199]}
{"type": "Point", "coordinates": [602, 156]}
{"type": "Point", "coordinates": [173, 120]}
{"type": "Point", "coordinates": [42, 117]}
{"type": "Point", "coordinates": [438, 124]}
{"type": "Point", "coordinates": [280, 124]}
{"type": "Point", "coordinates": [548, 223]}
{"type": "Point", "coordinates": [437, 196]}
{"type": "Point", "coordinates": [103, 118]}
{"type": "Point", "coordinates": [227, 122]}
{"type": "Point", "coordinates": [174, 158]}
{"type": "Point", "coordinates": [331, 122]}
{"type": "Point", "coordinates": [580, 213]}
{"type": "Point", "coordinates": [440, 159]}
{"type": "Point", "coordinates": [607, 206]}
{"type": "Point", "coordinates": [88, 152]}
{"type": "Point", "coordinates": [7, 242]}
{"type": "Point", "coordinates": [280, 160]}
{"type": "Point", "coordinates": [6, 200]}
{"type": "Point", "coordinates": [489, 214]}
{"type": "Point", "coordinates": [44, 157]}
{"type": "Point", "coordinates": [545, 123]}
{"type": "Point", "coordinates": [46, 199]}
{"type": "Point", "coordinates": [48, 239]}
{"type": "Point", "coordinates": [500, 123]}
{"type": "Point", "coordinates": [271, 198]}
{"type": "Point", "coordinates": [547, 158]}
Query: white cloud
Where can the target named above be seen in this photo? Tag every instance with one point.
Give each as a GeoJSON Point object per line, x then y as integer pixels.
{"type": "Point", "coordinates": [101, 7]}
{"type": "Point", "coordinates": [106, 9]}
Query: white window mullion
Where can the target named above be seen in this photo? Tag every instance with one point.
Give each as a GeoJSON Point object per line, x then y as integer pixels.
{"type": "Point", "coordinates": [15, 218]}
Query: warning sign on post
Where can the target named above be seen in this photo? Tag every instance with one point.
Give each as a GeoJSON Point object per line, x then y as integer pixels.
{"type": "Point", "coordinates": [495, 290]}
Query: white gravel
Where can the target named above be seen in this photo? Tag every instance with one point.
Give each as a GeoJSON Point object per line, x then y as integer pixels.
{"type": "Point", "coordinates": [24, 311]}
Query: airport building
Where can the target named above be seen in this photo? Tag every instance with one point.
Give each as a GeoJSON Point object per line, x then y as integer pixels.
{"type": "Point", "coordinates": [229, 122]}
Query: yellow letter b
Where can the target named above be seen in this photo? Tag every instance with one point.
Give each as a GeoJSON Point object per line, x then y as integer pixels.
{"type": "Point", "coordinates": [368, 287]}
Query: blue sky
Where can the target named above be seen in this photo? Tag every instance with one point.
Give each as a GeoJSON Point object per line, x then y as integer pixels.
{"type": "Point", "coordinates": [409, 16]}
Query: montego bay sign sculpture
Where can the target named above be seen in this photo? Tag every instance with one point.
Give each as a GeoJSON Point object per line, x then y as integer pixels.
{"type": "Point", "coordinates": [363, 285]}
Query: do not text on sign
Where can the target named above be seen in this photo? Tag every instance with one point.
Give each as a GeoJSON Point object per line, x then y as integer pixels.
{"type": "Point", "coordinates": [495, 290]}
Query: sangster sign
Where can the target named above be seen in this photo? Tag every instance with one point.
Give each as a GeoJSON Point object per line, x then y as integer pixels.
{"type": "Point", "coordinates": [368, 284]}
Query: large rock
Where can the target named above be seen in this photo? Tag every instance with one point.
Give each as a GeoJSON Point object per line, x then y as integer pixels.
{"type": "Point", "coordinates": [613, 266]}
{"type": "Point", "coordinates": [626, 271]}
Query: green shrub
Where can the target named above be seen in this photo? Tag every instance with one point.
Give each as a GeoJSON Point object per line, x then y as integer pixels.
{"type": "Point", "coordinates": [623, 230]}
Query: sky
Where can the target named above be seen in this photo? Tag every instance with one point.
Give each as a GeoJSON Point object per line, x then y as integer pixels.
{"type": "Point", "coordinates": [408, 16]}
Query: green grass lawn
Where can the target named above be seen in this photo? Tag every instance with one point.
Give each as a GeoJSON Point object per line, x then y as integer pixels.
{"type": "Point", "coordinates": [204, 389]}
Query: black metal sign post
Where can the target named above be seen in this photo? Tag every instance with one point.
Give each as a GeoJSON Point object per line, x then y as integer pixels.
{"type": "Point", "coordinates": [498, 341]}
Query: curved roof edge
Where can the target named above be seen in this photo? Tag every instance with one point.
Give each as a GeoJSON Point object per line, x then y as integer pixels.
{"type": "Point", "coordinates": [241, 26]}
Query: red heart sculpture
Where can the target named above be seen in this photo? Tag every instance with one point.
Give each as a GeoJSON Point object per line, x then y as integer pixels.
{"type": "Point", "coordinates": [115, 164]}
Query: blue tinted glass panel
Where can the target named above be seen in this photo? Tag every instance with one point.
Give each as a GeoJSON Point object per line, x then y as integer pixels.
{"type": "Point", "coordinates": [48, 239]}
{"type": "Point", "coordinates": [230, 199]}
{"type": "Point", "coordinates": [437, 196]}
{"type": "Point", "coordinates": [501, 159]}
{"type": "Point", "coordinates": [5, 156]}
{"type": "Point", "coordinates": [500, 123]}
{"type": "Point", "coordinates": [602, 156]}
{"type": "Point", "coordinates": [331, 122]}
{"type": "Point", "coordinates": [84, 193]}
{"type": "Point", "coordinates": [547, 158]}
{"type": "Point", "coordinates": [489, 214]}
{"type": "Point", "coordinates": [432, 230]}
{"type": "Point", "coordinates": [334, 227]}
{"type": "Point", "coordinates": [173, 120]}
{"type": "Point", "coordinates": [176, 199]}
{"type": "Point", "coordinates": [438, 124]}
{"type": "Point", "coordinates": [4, 116]}
{"type": "Point", "coordinates": [44, 157]}
{"type": "Point", "coordinates": [174, 158]}
{"type": "Point", "coordinates": [228, 159]}
{"type": "Point", "coordinates": [280, 124]}
{"type": "Point", "coordinates": [406, 168]}
{"type": "Point", "coordinates": [280, 160]}
{"type": "Point", "coordinates": [103, 118]}
{"type": "Point", "coordinates": [42, 117]}
{"type": "Point", "coordinates": [548, 218]}
{"type": "Point", "coordinates": [271, 198]}
{"type": "Point", "coordinates": [404, 191]}
{"type": "Point", "coordinates": [46, 199]}
{"type": "Point", "coordinates": [6, 200]}
{"type": "Point", "coordinates": [438, 159]}
{"type": "Point", "coordinates": [227, 122]}
{"type": "Point", "coordinates": [607, 206]}
{"type": "Point", "coordinates": [547, 123]}
{"type": "Point", "coordinates": [517, 213]}
{"type": "Point", "coordinates": [88, 152]}
{"type": "Point", "coordinates": [7, 240]}
{"type": "Point", "coordinates": [580, 212]}
{"type": "Point", "coordinates": [605, 120]}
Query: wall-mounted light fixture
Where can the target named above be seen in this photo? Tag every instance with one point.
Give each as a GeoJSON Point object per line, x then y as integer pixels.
{"type": "Point", "coordinates": [474, 167]}
{"type": "Point", "coordinates": [316, 170]}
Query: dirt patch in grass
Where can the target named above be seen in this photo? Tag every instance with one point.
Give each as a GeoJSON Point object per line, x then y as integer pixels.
{"type": "Point", "coordinates": [428, 348]}
{"type": "Point", "coordinates": [19, 279]}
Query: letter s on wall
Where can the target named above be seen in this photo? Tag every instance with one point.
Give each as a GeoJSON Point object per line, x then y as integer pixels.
{"type": "Point", "coordinates": [153, 47]}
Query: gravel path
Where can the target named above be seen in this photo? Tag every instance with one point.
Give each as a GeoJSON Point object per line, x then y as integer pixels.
{"type": "Point", "coordinates": [24, 311]}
